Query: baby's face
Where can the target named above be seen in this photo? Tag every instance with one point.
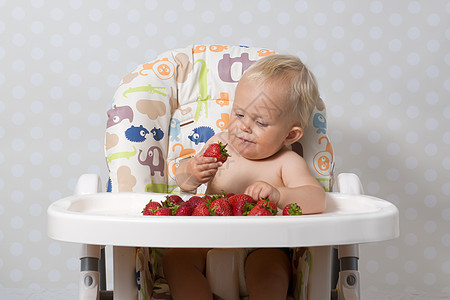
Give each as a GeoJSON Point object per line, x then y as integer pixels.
{"type": "Point", "coordinates": [258, 121]}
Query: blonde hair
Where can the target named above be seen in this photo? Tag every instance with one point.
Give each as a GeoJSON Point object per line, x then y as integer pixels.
{"type": "Point", "coordinates": [289, 71]}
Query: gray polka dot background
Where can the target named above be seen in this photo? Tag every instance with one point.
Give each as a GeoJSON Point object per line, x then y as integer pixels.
{"type": "Point", "coordinates": [383, 70]}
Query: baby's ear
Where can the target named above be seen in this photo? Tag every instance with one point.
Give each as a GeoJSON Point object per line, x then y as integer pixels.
{"type": "Point", "coordinates": [294, 135]}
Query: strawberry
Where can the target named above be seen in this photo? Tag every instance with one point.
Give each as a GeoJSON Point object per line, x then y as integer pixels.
{"type": "Point", "coordinates": [201, 210]}
{"type": "Point", "coordinates": [163, 211]}
{"type": "Point", "coordinates": [242, 208]}
{"type": "Point", "coordinates": [184, 209]}
{"type": "Point", "coordinates": [218, 151]}
{"type": "Point", "coordinates": [259, 211]}
{"type": "Point", "coordinates": [221, 207]}
{"type": "Point", "coordinates": [292, 209]}
{"type": "Point", "coordinates": [151, 208]}
{"type": "Point", "coordinates": [241, 203]}
{"type": "Point", "coordinates": [194, 201]}
{"type": "Point", "coordinates": [240, 197]}
{"type": "Point", "coordinates": [172, 200]}
{"type": "Point", "coordinates": [228, 195]}
{"type": "Point", "coordinates": [266, 203]}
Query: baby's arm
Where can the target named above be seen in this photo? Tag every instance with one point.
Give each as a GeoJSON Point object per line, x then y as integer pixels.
{"type": "Point", "coordinates": [300, 186]}
{"type": "Point", "coordinates": [194, 171]}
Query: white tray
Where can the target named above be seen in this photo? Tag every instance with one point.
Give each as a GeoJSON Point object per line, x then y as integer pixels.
{"type": "Point", "coordinates": [116, 219]}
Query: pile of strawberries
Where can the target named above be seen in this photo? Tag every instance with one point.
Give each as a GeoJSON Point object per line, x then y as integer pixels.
{"type": "Point", "coordinates": [217, 205]}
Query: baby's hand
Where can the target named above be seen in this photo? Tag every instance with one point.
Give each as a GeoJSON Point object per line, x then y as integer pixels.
{"type": "Point", "coordinates": [203, 169]}
{"type": "Point", "coordinates": [260, 189]}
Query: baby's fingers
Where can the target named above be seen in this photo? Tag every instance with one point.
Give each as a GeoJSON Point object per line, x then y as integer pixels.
{"type": "Point", "coordinates": [254, 191]}
{"type": "Point", "coordinates": [210, 166]}
{"type": "Point", "coordinates": [208, 174]}
{"type": "Point", "coordinates": [259, 190]}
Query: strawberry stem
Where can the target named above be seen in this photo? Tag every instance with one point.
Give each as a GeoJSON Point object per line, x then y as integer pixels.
{"type": "Point", "coordinates": [223, 150]}
{"type": "Point", "coordinates": [294, 209]}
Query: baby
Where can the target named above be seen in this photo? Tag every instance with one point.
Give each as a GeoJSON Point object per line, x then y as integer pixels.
{"type": "Point", "coordinates": [272, 106]}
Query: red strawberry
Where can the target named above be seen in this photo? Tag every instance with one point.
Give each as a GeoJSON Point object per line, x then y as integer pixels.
{"type": "Point", "coordinates": [221, 207]}
{"type": "Point", "coordinates": [292, 209]}
{"type": "Point", "coordinates": [259, 211]}
{"type": "Point", "coordinates": [201, 210]}
{"type": "Point", "coordinates": [241, 203]}
{"type": "Point", "coordinates": [172, 200]}
{"type": "Point", "coordinates": [240, 197]}
{"type": "Point", "coordinates": [218, 151]}
{"type": "Point", "coordinates": [163, 211]}
{"type": "Point", "coordinates": [184, 209]}
{"type": "Point", "coordinates": [228, 195]}
{"type": "Point", "coordinates": [267, 204]}
{"type": "Point", "coordinates": [242, 208]}
{"type": "Point", "coordinates": [194, 201]}
{"type": "Point", "coordinates": [151, 208]}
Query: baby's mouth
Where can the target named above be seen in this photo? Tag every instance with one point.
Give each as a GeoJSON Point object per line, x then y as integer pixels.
{"type": "Point", "coordinates": [245, 140]}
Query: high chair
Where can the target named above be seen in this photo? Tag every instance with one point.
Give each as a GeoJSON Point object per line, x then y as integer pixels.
{"type": "Point", "coordinates": [165, 110]}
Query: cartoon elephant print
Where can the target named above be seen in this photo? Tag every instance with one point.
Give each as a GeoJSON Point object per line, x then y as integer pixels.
{"type": "Point", "coordinates": [154, 155]}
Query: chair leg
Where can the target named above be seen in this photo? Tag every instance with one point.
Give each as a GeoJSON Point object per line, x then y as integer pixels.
{"type": "Point", "coordinates": [319, 283]}
{"type": "Point", "coordinates": [349, 279]}
{"type": "Point", "coordinates": [102, 269]}
{"type": "Point", "coordinates": [89, 275]}
{"type": "Point", "coordinates": [104, 293]}
{"type": "Point", "coordinates": [335, 269]}
{"type": "Point", "coordinates": [125, 286]}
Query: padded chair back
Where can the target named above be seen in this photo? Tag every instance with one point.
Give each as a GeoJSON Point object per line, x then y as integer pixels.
{"type": "Point", "coordinates": [168, 108]}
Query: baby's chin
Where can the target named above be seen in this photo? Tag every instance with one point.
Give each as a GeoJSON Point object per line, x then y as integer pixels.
{"type": "Point", "coordinates": [241, 149]}
{"type": "Point", "coordinates": [249, 152]}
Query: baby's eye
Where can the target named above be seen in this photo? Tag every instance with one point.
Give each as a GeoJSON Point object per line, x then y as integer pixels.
{"type": "Point", "coordinates": [261, 123]}
{"type": "Point", "coordinates": [239, 115]}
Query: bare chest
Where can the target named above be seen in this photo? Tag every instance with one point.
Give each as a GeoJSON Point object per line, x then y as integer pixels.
{"type": "Point", "coordinates": [238, 173]}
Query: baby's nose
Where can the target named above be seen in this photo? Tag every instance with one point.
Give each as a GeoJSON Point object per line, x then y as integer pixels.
{"type": "Point", "coordinates": [244, 125]}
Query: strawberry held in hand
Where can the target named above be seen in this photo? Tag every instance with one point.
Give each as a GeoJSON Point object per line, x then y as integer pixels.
{"type": "Point", "coordinates": [218, 151]}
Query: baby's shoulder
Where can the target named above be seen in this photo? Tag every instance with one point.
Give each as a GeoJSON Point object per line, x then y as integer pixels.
{"type": "Point", "coordinates": [288, 153]}
{"type": "Point", "coordinates": [289, 157]}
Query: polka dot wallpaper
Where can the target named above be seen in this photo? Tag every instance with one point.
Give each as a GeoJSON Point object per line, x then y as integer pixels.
{"type": "Point", "coordinates": [383, 70]}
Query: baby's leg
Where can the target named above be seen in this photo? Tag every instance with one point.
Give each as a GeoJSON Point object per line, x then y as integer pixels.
{"type": "Point", "coordinates": [184, 270]}
{"type": "Point", "coordinates": [267, 274]}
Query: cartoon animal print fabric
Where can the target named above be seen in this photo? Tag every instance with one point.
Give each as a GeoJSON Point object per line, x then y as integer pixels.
{"type": "Point", "coordinates": [168, 108]}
